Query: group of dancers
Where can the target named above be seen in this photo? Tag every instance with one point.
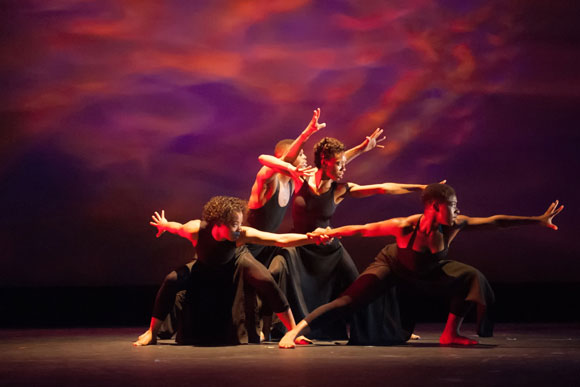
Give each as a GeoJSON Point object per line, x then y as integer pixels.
{"type": "Point", "coordinates": [243, 275]}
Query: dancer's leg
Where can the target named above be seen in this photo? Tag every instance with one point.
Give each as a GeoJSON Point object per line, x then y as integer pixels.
{"type": "Point", "coordinates": [363, 290]}
{"type": "Point", "coordinates": [164, 301]}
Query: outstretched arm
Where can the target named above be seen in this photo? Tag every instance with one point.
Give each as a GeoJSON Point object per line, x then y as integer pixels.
{"type": "Point", "coordinates": [368, 144]}
{"type": "Point", "coordinates": [313, 127]}
{"type": "Point", "coordinates": [502, 221]}
{"type": "Point", "coordinates": [362, 191]}
{"type": "Point", "coordinates": [188, 230]}
{"type": "Point", "coordinates": [383, 228]}
{"type": "Point", "coordinates": [251, 235]}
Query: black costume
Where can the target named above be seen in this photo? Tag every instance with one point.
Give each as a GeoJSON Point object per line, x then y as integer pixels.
{"type": "Point", "coordinates": [268, 218]}
{"type": "Point", "coordinates": [317, 274]}
{"type": "Point", "coordinates": [214, 309]}
{"type": "Point", "coordinates": [412, 271]}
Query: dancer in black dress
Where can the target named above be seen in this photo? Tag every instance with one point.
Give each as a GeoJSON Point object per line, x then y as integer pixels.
{"type": "Point", "coordinates": [219, 270]}
{"type": "Point", "coordinates": [417, 261]}
{"type": "Point", "coordinates": [319, 274]}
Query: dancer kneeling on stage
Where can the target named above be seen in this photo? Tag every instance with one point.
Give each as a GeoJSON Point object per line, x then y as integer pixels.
{"type": "Point", "coordinates": [416, 261]}
{"type": "Point", "coordinates": [222, 268]}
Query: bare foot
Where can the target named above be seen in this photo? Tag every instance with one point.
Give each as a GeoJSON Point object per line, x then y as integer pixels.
{"type": "Point", "coordinates": [147, 338]}
{"type": "Point", "coordinates": [287, 341]}
{"type": "Point", "coordinates": [447, 339]}
{"type": "Point", "coordinates": [302, 340]}
{"type": "Point", "coordinates": [414, 337]}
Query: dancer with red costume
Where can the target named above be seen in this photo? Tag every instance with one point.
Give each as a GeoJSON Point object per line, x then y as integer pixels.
{"type": "Point", "coordinates": [417, 261]}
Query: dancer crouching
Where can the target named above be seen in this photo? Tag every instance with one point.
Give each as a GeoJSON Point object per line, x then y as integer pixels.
{"type": "Point", "coordinates": [212, 279]}
{"type": "Point", "coordinates": [416, 260]}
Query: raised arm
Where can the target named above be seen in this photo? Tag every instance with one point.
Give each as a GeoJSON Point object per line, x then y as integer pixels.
{"type": "Point", "coordinates": [189, 230]}
{"type": "Point", "coordinates": [313, 127]}
{"type": "Point", "coordinates": [251, 235]}
{"type": "Point", "coordinates": [368, 144]}
{"type": "Point", "coordinates": [502, 221]}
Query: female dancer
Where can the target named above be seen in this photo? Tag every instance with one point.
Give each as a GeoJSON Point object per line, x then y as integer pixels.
{"type": "Point", "coordinates": [219, 271]}
{"type": "Point", "coordinates": [417, 261]}
{"type": "Point", "coordinates": [318, 274]}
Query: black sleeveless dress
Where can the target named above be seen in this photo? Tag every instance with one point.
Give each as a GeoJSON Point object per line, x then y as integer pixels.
{"type": "Point", "coordinates": [317, 273]}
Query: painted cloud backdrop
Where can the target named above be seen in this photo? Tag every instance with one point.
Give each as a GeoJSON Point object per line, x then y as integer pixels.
{"type": "Point", "coordinates": [114, 109]}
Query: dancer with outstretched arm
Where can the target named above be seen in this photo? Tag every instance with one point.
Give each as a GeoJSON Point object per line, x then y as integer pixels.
{"type": "Point", "coordinates": [417, 260]}
{"type": "Point", "coordinates": [219, 271]}
{"type": "Point", "coordinates": [318, 274]}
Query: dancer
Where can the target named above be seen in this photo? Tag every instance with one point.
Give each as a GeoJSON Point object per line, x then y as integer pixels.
{"type": "Point", "coordinates": [272, 190]}
{"type": "Point", "coordinates": [279, 175]}
{"type": "Point", "coordinates": [318, 274]}
{"type": "Point", "coordinates": [212, 279]}
{"type": "Point", "coordinates": [417, 261]}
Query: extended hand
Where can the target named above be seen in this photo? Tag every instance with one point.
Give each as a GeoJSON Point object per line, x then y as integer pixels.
{"type": "Point", "coordinates": [319, 236]}
{"type": "Point", "coordinates": [552, 211]}
{"type": "Point", "coordinates": [372, 141]}
{"type": "Point", "coordinates": [159, 221]}
{"type": "Point", "coordinates": [314, 126]}
{"type": "Point", "coordinates": [441, 182]}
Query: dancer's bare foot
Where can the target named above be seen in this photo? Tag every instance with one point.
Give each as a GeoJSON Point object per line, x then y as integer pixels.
{"type": "Point", "coordinates": [302, 340]}
{"type": "Point", "coordinates": [414, 337]}
{"type": "Point", "coordinates": [447, 339]}
{"type": "Point", "coordinates": [287, 342]}
{"type": "Point", "coordinates": [147, 338]}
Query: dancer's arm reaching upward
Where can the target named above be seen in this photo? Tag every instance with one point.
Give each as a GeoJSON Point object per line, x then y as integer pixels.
{"type": "Point", "coordinates": [369, 143]}
{"type": "Point", "coordinates": [313, 127]}
{"type": "Point", "coordinates": [265, 183]}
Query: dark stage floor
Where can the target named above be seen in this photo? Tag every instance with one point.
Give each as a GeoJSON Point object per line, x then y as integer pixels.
{"type": "Point", "coordinates": [522, 354]}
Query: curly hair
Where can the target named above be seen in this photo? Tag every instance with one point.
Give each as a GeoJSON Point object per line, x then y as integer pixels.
{"type": "Point", "coordinates": [327, 148]}
{"type": "Point", "coordinates": [440, 193]}
{"type": "Point", "coordinates": [222, 209]}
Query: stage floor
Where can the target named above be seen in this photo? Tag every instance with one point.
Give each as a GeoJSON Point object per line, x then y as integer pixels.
{"type": "Point", "coordinates": [519, 354]}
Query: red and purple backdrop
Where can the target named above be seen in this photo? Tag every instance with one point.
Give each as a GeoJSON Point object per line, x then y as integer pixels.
{"type": "Point", "coordinates": [114, 109]}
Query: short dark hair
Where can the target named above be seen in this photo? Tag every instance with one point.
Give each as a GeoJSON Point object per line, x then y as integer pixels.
{"type": "Point", "coordinates": [282, 146]}
{"type": "Point", "coordinates": [327, 148]}
{"type": "Point", "coordinates": [440, 193]}
{"type": "Point", "coordinates": [222, 209]}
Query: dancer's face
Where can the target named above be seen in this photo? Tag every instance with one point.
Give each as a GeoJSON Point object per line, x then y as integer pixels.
{"type": "Point", "coordinates": [231, 230]}
{"type": "Point", "coordinates": [448, 211]}
{"type": "Point", "coordinates": [300, 161]}
{"type": "Point", "coordinates": [334, 167]}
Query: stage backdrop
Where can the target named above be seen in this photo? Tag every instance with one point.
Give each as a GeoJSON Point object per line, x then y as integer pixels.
{"type": "Point", "coordinates": [114, 109]}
